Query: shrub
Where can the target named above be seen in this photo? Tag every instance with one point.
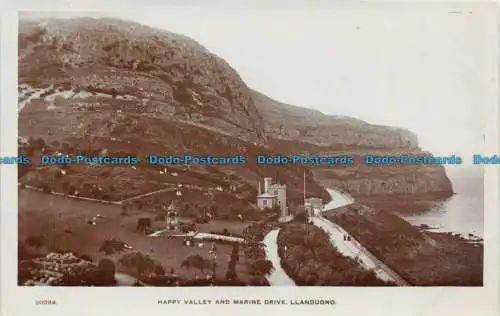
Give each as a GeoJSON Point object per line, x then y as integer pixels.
{"type": "Point", "coordinates": [262, 267]}
{"type": "Point", "coordinates": [140, 263]}
{"type": "Point", "coordinates": [111, 246]}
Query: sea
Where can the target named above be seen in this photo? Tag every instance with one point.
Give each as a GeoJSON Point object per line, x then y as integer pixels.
{"type": "Point", "coordinates": [462, 213]}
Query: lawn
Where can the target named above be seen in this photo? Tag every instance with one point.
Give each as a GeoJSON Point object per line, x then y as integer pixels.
{"type": "Point", "coordinates": [43, 214]}
{"type": "Point", "coordinates": [235, 227]}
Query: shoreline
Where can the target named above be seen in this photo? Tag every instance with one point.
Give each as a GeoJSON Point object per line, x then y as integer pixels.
{"type": "Point", "coordinates": [405, 204]}
{"type": "Point", "coordinates": [422, 257]}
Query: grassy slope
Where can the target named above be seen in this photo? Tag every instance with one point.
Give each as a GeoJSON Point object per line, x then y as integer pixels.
{"type": "Point", "coordinates": [153, 134]}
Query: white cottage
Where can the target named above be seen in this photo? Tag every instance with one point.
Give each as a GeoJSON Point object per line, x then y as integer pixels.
{"type": "Point", "coordinates": [273, 195]}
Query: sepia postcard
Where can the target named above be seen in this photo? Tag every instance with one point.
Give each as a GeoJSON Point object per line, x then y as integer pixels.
{"type": "Point", "coordinates": [249, 157]}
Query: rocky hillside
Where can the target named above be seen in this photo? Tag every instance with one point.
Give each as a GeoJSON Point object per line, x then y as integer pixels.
{"type": "Point", "coordinates": [289, 122]}
{"type": "Point", "coordinates": [291, 128]}
{"type": "Point", "coordinates": [112, 87]}
{"type": "Point", "coordinates": [109, 86]}
{"type": "Point", "coordinates": [169, 73]}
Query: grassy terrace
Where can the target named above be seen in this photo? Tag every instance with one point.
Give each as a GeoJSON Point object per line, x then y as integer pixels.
{"type": "Point", "coordinates": [422, 258]}
{"type": "Point", "coordinates": [124, 128]}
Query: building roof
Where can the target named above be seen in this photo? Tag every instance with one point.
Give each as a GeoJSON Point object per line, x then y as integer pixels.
{"type": "Point", "coordinates": [277, 186]}
{"type": "Point", "coordinates": [266, 195]}
{"type": "Point", "coordinates": [314, 198]}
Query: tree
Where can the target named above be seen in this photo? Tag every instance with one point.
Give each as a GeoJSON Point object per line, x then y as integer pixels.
{"type": "Point", "coordinates": [231, 271]}
{"type": "Point", "coordinates": [235, 254]}
{"type": "Point", "coordinates": [159, 270]}
{"type": "Point", "coordinates": [106, 272]}
{"type": "Point", "coordinates": [254, 252]}
{"type": "Point", "coordinates": [300, 214]}
{"type": "Point", "coordinates": [124, 210]}
{"type": "Point", "coordinates": [197, 262]}
{"type": "Point", "coordinates": [262, 267]}
{"type": "Point", "coordinates": [139, 262]}
{"type": "Point", "coordinates": [110, 246]}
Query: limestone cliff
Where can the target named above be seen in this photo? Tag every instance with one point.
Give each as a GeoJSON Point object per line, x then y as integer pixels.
{"type": "Point", "coordinates": [387, 180]}
{"type": "Point", "coordinates": [293, 129]}
{"type": "Point", "coordinates": [294, 123]}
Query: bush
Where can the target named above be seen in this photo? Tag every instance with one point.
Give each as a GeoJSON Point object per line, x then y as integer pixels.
{"type": "Point", "coordinates": [139, 263]}
{"type": "Point", "coordinates": [111, 246]}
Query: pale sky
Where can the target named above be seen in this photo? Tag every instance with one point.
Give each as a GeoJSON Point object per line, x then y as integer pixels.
{"type": "Point", "coordinates": [427, 68]}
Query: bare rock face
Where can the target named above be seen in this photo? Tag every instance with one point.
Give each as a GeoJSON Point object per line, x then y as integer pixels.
{"type": "Point", "coordinates": [403, 180]}
{"type": "Point", "coordinates": [291, 127]}
{"type": "Point", "coordinates": [289, 122]}
{"type": "Point", "coordinates": [171, 72]}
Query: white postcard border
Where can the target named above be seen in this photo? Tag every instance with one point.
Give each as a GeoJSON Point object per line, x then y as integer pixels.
{"type": "Point", "coordinates": [17, 300]}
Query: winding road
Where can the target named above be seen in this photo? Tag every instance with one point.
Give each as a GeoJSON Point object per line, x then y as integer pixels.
{"type": "Point", "coordinates": [350, 247]}
{"type": "Point", "coordinates": [278, 276]}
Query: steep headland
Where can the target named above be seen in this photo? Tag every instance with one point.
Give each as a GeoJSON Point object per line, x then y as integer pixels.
{"type": "Point", "coordinates": [120, 87]}
{"type": "Point", "coordinates": [291, 128]}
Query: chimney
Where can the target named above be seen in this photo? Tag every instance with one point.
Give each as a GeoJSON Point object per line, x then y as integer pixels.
{"type": "Point", "coordinates": [267, 184]}
{"type": "Point", "coordinates": [260, 190]}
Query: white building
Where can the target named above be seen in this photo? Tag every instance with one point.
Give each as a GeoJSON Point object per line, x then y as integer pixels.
{"type": "Point", "coordinates": [273, 195]}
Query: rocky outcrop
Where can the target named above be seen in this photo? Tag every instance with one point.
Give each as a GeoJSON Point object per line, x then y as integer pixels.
{"type": "Point", "coordinates": [171, 72]}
